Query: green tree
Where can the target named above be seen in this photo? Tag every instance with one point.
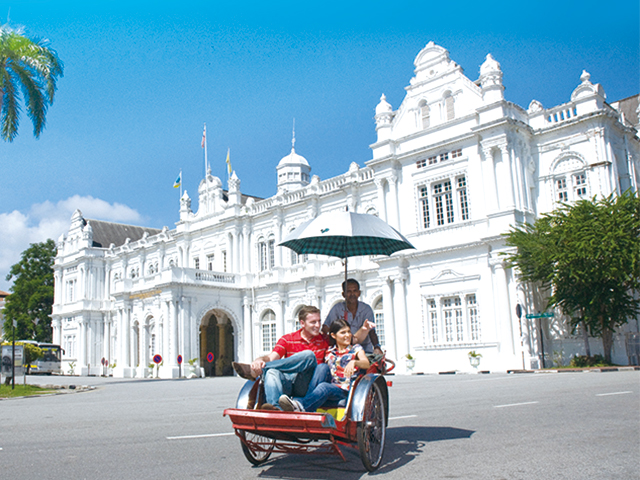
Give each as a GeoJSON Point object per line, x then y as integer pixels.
{"type": "Point", "coordinates": [31, 298]}
{"type": "Point", "coordinates": [588, 254]}
{"type": "Point", "coordinates": [26, 65]}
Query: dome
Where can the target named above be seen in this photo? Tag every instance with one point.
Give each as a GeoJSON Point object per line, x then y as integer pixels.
{"type": "Point", "coordinates": [293, 159]}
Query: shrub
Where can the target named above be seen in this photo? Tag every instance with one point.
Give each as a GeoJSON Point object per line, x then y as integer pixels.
{"type": "Point", "coordinates": [581, 361]}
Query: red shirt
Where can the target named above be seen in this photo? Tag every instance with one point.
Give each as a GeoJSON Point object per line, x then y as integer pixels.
{"type": "Point", "coordinates": [293, 343]}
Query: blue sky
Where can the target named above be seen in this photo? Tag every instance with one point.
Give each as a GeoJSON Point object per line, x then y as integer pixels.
{"type": "Point", "coordinates": [141, 79]}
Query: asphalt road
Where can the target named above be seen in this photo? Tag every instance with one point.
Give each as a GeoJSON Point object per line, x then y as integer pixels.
{"type": "Point", "coordinates": [497, 426]}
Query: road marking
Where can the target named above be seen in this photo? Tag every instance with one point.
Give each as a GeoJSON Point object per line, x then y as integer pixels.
{"type": "Point", "coordinates": [201, 436]}
{"type": "Point", "coordinates": [405, 416]}
{"type": "Point", "coordinates": [613, 393]}
{"type": "Point", "coordinates": [514, 404]}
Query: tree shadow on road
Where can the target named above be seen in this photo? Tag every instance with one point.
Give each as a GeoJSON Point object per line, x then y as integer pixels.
{"type": "Point", "coordinates": [403, 444]}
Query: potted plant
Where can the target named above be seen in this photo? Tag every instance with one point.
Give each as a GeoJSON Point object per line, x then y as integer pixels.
{"type": "Point", "coordinates": [410, 361]}
{"type": "Point", "coordinates": [474, 358]}
{"type": "Point", "coordinates": [150, 371]}
{"type": "Point", "coordinates": [193, 368]}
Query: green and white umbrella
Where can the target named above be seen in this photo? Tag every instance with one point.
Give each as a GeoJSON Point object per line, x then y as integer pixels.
{"type": "Point", "coordinates": [344, 235]}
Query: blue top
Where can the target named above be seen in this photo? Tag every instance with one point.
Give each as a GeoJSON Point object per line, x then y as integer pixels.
{"type": "Point", "coordinates": [364, 312]}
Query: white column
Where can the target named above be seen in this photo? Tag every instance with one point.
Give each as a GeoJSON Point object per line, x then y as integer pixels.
{"type": "Point", "coordinates": [166, 330]}
{"type": "Point", "coordinates": [489, 181]}
{"type": "Point", "coordinates": [382, 204]}
{"type": "Point", "coordinates": [247, 249]}
{"type": "Point", "coordinates": [402, 330]}
{"type": "Point", "coordinates": [394, 218]}
{"type": "Point", "coordinates": [502, 307]}
{"type": "Point", "coordinates": [507, 189]}
{"type": "Point", "coordinates": [247, 336]}
{"type": "Point", "coordinates": [235, 267]}
{"type": "Point", "coordinates": [175, 331]}
{"type": "Point", "coordinates": [82, 343]}
{"type": "Point", "coordinates": [126, 334]}
{"type": "Point", "coordinates": [389, 320]}
{"type": "Point", "coordinates": [278, 234]}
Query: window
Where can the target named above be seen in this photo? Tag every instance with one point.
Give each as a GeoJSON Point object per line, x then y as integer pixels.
{"type": "Point", "coordinates": [432, 160]}
{"type": "Point", "coordinates": [272, 252]}
{"type": "Point", "coordinates": [424, 114]}
{"type": "Point", "coordinates": [474, 322]}
{"type": "Point", "coordinates": [443, 202]}
{"type": "Point", "coordinates": [432, 315]}
{"type": "Point", "coordinates": [210, 259]}
{"type": "Point", "coordinates": [456, 153]}
{"type": "Point", "coordinates": [462, 198]}
{"type": "Point", "coordinates": [421, 163]}
{"type": "Point", "coordinates": [71, 287]}
{"type": "Point", "coordinates": [424, 206]}
{"type": "Point", "coordinates": [224, 260]}
{"type": "Point", "coordinates": [448, 105]}
{"type": "Point", "coordinates": [561, 190]}
{"type": "Point", "coordinates": [196, 263]}
{"type": "Point", "coordinates": [444, 156]}
{"type": "Point", "coordinates": [580, 184]}
{"type": "Point", "coordinates": [69, 345]}
{"type": "Point", "coordinates": [268, 331]}
{"type": "Point", "coordinates": [262, 255]}
{"type": "Point", "coordinates": [378, 313]}
{"type": "Point", "coordinates": [449, 320]}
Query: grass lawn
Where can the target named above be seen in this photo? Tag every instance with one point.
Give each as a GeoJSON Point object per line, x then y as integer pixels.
{"type": "Point", "coordinates": [22, 390]}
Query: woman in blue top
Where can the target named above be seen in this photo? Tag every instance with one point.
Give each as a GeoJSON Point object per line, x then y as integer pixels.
{"type": "Point", "coordinates": [344, 360]}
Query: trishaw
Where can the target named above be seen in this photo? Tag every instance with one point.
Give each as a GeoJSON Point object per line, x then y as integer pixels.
{"type": "Point", "coordinates": [360, 422]}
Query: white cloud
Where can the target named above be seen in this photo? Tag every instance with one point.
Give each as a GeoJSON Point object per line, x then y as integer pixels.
{"type": "Point", "coordinates": [49, 220]}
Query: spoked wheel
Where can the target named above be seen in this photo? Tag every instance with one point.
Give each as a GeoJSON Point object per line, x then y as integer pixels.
{"type": "Point", "coordinates": [263, 447]}
{"type": "Point", "coordinates": [372, 430]}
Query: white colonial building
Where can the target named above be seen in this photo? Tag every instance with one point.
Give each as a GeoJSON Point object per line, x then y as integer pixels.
{"type": "Point", "coordinates": [452, 169]}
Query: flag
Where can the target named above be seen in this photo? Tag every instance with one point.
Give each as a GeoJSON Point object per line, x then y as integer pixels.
{"type": "Point", "coordinates": [178, 181]}
{"type": "Point", "coordinates": [228, 162]}
{"type": "Point", "coordinates": [204, 137]}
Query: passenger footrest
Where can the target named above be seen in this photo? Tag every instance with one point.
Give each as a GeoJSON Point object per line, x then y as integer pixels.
{"type": "Point", "coordinates": [275, 421]}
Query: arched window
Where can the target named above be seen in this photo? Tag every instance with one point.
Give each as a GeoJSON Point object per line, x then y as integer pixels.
{"type": "Point", "coordinates": [378, 313]}
{"type": "Point", "coordinates": [268, 327]}
{"type": "Point", "coordinates": [448, 106]}
{"type": "Point", "coordinates": [272, 251]}
{"type": "Point", "coordinates": [262, 254]}
{"type": "Point", "coordinates": [425, 113]}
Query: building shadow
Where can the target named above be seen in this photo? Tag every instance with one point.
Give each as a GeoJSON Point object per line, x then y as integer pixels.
{"type": "Point", "coordinates": [403, 445]}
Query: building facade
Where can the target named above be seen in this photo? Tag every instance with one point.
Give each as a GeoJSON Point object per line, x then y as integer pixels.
{"type": "Point", "coordinates": [453, 167]}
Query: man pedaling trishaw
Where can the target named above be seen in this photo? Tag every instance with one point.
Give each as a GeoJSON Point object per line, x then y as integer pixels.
{"type": "Point", "coordinates": [274, 411]}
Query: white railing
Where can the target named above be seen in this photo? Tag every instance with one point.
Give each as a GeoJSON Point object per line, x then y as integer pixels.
{"type": "Point", "coordinates": [561, 113]}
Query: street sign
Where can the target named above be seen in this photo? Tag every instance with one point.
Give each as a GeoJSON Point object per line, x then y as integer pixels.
{"type": "Point", "coordinates": [539, 315]}
{"type": "Point", "coordinates": [157, 359]}
{"type": "Point", "coordinates": [179, 359]}
{"type": "Point", "coordinates": [209, 357]}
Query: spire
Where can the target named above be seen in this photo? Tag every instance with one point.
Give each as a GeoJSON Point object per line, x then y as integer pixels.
{"type": "Point", "coordinates": [293, 138]}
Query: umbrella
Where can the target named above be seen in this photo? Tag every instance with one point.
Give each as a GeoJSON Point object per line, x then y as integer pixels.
{"type": "Point", "coordinates": [345, 234]}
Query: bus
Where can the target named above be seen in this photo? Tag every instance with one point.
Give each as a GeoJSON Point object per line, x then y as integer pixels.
{"type": "Point", "coordinates": [52, 360]}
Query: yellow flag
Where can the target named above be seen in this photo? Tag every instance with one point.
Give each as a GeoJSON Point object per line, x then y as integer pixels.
{"type": "Point", "coordinates": [228, 162]}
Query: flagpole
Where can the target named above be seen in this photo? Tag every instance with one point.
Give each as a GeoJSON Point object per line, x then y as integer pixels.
{"type": "Point", "coordinates": [204, 145]}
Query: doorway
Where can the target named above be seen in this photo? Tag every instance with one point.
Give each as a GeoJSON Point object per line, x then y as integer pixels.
{"type": "Point", "coordinates": [217, 339]}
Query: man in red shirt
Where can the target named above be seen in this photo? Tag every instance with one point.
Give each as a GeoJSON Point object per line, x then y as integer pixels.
{"type": "Point", "coordinates": [296, 363]}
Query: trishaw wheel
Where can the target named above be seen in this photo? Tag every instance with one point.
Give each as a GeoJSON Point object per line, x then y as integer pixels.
{"type": "Point", "coordinates": [262, 450]}
{"type": "Point", "coordinates": [372, 430]}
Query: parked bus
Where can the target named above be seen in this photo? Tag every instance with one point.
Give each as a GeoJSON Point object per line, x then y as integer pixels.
{"type": "Point", "coordinates": [52, 360]}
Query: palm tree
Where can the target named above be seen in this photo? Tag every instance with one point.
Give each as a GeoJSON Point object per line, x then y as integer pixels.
{"type": "Point", "coordinates": [28, 65]}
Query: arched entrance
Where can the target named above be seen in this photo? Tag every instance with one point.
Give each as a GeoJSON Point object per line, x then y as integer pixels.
{"type": "Point", "coordinates": [216, 337]}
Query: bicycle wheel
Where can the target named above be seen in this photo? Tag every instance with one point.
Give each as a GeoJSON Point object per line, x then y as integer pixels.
{"type": "Point", "coordinates": [262, 450]}
{"type": "Point", "coordinates": [371, 432]}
